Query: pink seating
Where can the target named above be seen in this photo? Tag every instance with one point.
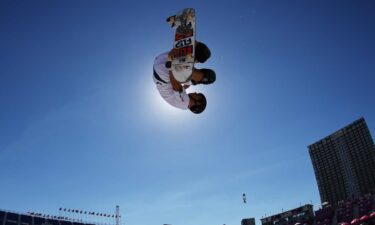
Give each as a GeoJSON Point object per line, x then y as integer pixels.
{"type": "Point", "coordinates": [355, 222]}
{"type": "Point", "coordinates": [364, 218]}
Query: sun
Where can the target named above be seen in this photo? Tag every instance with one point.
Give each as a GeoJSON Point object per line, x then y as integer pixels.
{"type": "Point", "coordinates": [154, 108]}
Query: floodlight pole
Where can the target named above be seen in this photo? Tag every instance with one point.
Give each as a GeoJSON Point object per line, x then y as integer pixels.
{"type": "Point", "coordinates": [117, 215]}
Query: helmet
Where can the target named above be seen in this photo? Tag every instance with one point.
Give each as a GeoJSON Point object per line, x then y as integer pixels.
{"type": "Point", "coordinates": [199, 104]}
{"type": "Point", "coordinates": [202, 52]}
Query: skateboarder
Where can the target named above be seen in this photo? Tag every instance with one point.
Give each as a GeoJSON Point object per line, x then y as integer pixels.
{"type": "Point", "coordinates": [173, 91]}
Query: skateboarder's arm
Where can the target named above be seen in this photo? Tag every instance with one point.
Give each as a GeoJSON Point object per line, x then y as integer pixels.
{"type": "Point", "coordinates": [175, 84]}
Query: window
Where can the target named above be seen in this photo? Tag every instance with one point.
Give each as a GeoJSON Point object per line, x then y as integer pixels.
{"type": "Point", "coordinates": [12, 219]}
{"type": "Point", "coordinates": [26, 220]}
{"type": "Point", "coordinates": [39, 221]}
{"type": "Point", "coordinates": [2, 215]}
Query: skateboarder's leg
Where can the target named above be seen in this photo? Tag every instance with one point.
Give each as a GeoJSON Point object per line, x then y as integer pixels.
{"type": "Point", "coordinates": [202, 52]}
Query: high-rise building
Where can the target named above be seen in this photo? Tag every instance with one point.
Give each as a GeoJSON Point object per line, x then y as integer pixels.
{"type": "Point", "coordinates": [248, 221]}
{"type": "Point", "coordinates": [344, 163]}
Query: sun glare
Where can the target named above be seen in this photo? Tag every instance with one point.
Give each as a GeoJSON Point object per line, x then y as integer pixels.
{"type": "Point", "coordinates": [156, 109]}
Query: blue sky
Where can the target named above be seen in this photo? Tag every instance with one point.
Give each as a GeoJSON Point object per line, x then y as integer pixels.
{"type": "Point", "coordinates": [83, 126]}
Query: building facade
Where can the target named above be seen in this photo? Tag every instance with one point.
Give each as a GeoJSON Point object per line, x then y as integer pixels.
{"type": "Point", "coordinates": [344, 163]}
{"type": "Point", "coordinates": [303, 215]}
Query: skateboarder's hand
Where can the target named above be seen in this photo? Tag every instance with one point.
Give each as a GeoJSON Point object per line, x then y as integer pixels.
{"type": "Point", "coordinates": [173, 52]}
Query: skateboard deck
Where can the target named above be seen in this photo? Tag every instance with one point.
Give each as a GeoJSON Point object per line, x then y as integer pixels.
{"type": "Point", "coordinates": [182, 59]}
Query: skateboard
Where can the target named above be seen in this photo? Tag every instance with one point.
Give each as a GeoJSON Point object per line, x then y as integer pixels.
{"type": "Point", "coordinates": [182, 58]}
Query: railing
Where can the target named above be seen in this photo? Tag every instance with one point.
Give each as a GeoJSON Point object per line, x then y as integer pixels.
{"type": "Point", "coordinates": [60, 219]}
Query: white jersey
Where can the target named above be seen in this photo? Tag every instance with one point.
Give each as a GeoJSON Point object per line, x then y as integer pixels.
{"type": "Point", "coordinates": [164, 86]}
